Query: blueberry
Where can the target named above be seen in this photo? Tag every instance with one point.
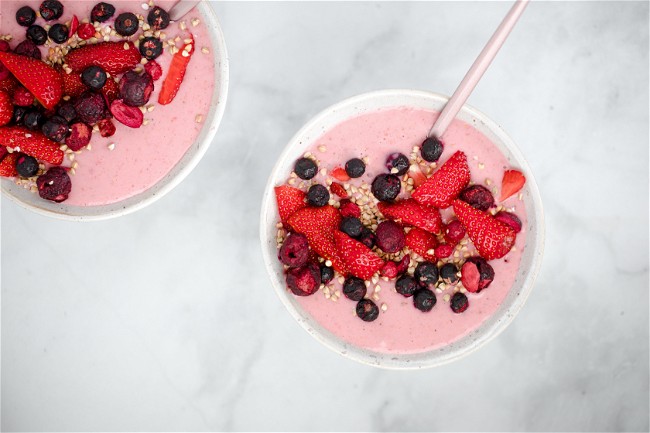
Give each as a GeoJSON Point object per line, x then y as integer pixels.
{"type": "Point", "coordinates": [459, 302]}
{"type": "Point", "coordinates": [355, 168]}
{"type": "Point", "coordinates": [51, 10]}
{"type": "Point", "coordinates": [94, 77]}
{"type": "Point", "coordinates": [431, 149]}
{"type": "Point", "coordinates": [26, 166]}
{"type": "Point", "coordinates": [354, 288]}
{"type": "Point", "coordinates": [426, 273]}
{"type": "Point", "coordinates": [90, 107]}
{"type": "Point", "coordinates": [37, 34]}
{"type": "Point", "coordinates": [351, 226]}
{"type": "Point", "coordinates": [386, 187]}
{"type": "Point", "coordinates": [102, 12]}
{"type": "Point", "coordinates": [33, 120]}
{"type": "Point", "coordinates": [326, 273]}
{"type": "Point", "coordinates": [406, 285]}
{"type": "Point", "coordinates": [305, 168]}
{"type": "Point", "coordinates": [448, 273]}
{"type": "Point", "coordinates": [25, 16]}
{"type": "Point", "coordinates": [67, 111]}
{"type": "Point", "coordinates": [58, 33]}
{"type": "Point", "coordinates": [424, 300]}
{"type": "Point", "coordinates": [18, 117]}
{"type": "Point", "coordinates": [367, 310]}
{"type": "Point", "coordinates": [151, 47]}
{"type": "Point", "coordinates": [55, 128]}
{"type": "Point", "coordinates": [158, 18]}
{"type": "Point", "coordinates": [126, 24]}
{"type": "Point", "coordinates": [318, 195]}
{"type": "Point", "coordinates": [367, 237]}
{"type": "Point", "coordinates": [135, 89]}
{"type": "Point", "coordinates": [399, 162]}
{"type": "Point", "coordinates": [477, 196]}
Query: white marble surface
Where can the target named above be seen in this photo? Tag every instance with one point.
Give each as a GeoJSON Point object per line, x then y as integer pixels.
{"type": "Point", "coordinates": [165, 320]}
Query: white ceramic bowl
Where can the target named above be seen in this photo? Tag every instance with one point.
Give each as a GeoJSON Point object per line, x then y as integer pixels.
{"type": "Point", "coordinates": [530, 261]}
{"type": "Point", "coordinates": [187, 163]}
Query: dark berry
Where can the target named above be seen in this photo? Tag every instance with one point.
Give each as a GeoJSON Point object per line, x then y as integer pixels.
{"type": "Point", "coordinates": [390, 237]}
{"type": "Point", "coordinates": [90, 107]}
{"type": "Point", "coordinates": [33, 120]}
{"type": "Point", "coordinates": [126, 24]}
{"type": "Point", "coordinates": [426, 273]}
{"type": "Point", "coordinates": [304, 281]}
{"type": "Point", "coordinates": [79, 136]}
{"type": "Point", "coordinates": [448, 273]}
{"type": "Point", "coordinates": [459, 302]}
{"type": "Point", "coordinates": [4, 46]}
{"type": "Point", "coordinates": [23, 97]}
{"type": "Point", "coordinates": [18, 116]}
{"type": "Point", "coordinates": [454, 232]}
{"type": "Point", "coordinates": [403, 264]}
{"type": "Point", "coordinates": [406, 285]}
{"type": "Point", "coordinates": [55, 128]}
{"type": "Point", "coordinates": [349, 209]}
{"type": "Point", "coordinates": [326, 273]}
{"type": "Point", "coordinates": [424, 300]}
{"type": "Point", "coordinates": [305, 168]}
{"type": "Point", "coordinates": [51, 10]}
{"type": "Point", "coordinates": [25, 16]}
{"type": "Point", "coordinates": [354, 288]}
{"type": "Point", "coordinates": [106, 127]}
{"type": "Point", "coordinates": [28, 48]}
{"type": "Point", "coordinates": [485, 270]}
{"type": "Point", "coordinates": [37, 34]}
{"type": "Point", "coordinates": [443, 251]}
{"type": "Point", "coordinates": [510, 219]}
{"type": "Point", "coordinates": [386, 187]}
{"type": "Point", "coordinates": [294, 251]}
{"type": "Point", "coordinates": [367, 310]}
{"type": "Point", "coordinates": [318, 195]}
{"type": "Point", "coordinates": [397, 161]}
{"type": "Point", "coordinates": [26, 166]}
{"type": "Point", "coordinates": [151, 47]}
{"type": "Point", "coordinates": [355, 168]}
{"type": "Point", "coordinates": [135, 89]}
{"type": "Point", "coordinates": [367, 237]}
{"type": "Point", "coordinates": [67, 111]}
{"type": "Point", "coordinates": [351, 226]}
{"type": "Point", "coordinates": [58, 33]}
{"type": "Point", "coordinates": [431, 149]}
{"type": "Point", "coordinates": [86, 31]}
{"type": "Point", "coordinates": [54, 184]}
{"type": "Point", "coordinates": [477, 196]}
{"type": "Point", "coordinates": [94, 77]}
{"type": "Point", "coordinates": [158, 18]}
{"type": "Point", "coordinates": [153, 69]}
{"type": "Point", "coordinates": [102, 12]}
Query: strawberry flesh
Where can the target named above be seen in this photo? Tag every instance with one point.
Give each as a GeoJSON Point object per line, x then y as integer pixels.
{"type": "Point", "coordinates": [513, 181]}
{"type": "Point", "coordinates": [112, 57]}
{"type": "Point", "coordinates": [42, 80]}
{"type": "Point", "coordinates": [421, 242]}
{"type": "Point", "coordinates": [176, 73]}
{"type": "Point", "coordinates": [445, 184]}
{"type": "Point", "coordinates": [8, 164]}
{"type": "Point", "coordinates": [359, 259]}
{"type": "Point", "coordinates": [289, 200]}
{"type": "Point", "coordinates": [412, 213]}
{"type": "Point", "coordinates": [32, 143]}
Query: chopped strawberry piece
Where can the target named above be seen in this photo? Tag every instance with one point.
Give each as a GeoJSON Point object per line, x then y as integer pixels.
{"type": "Point", "coordinates": [113, 57]}
{"type": "Point", "coordinates": [421, 242]}
{"type": "Point", "coordinates": [72, 84]}
{"type": "Point", "coordinates": [86, 31]}
{"type": "Point", "coordinates": [154, 69]}
{"type": "Point", "coordinates": [359, 259]}
{"type": "Point", "coordinates": [349, 209]}
{"type": "Point", "coordinates": [412, 213]}
{"type": "Point", "coordinates": [8, 165]}
{"type": "Point", "coordinates": [470, 276]}
{"type": "Point", "coordinates": [289, 200]}
{"type": "Point", "coordinates": [389, 270]}
{"type": "Point", "coordinates": [176, 73]}
{"type": "Point", "coordinates": [340, 174]}
{"type": "Point", "coordinates": [22, 97]}
{"type": "Point", "coordinates": [42, 80]}
{"type": "Point", "coordinates": [6, 108]}
{"type": "Point", "coordinates": [9, 85]}
{"type": "Point", "coordinates": [74, 25]}
{"type": "Point", "coordinates": [513, 181]}
{"type": "Point", "coordinates": [111, 91]}
{"type": "Point", "coordinates": [445, 184]}
{"type": "Point", "coordinates": [338, 189]}
{"type": "Point", "coordinates": [32, 143]}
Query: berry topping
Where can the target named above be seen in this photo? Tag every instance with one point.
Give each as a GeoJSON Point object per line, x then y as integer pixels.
{"type": "Point", "coordinates": [58, 33]}
{"type": "Point", "coordinates": [102, 12]}
{"type": "Point", "coordinates": [318, 195]}
{"type": "Point", "coordinates": [79, 136]}
{"type": "Point", "coordinates": [72, 84]}
{"type": "Point", "coordinates": [34, 120]}
{"type": "Point", "coordinates": [421, 242]}
{"type": "Point", "coordinates": [54, 184]}
{"type": "Point", "coordinates": [485, 270]}
{"type": "Point", "coordinates": [8, 164]}
{"type": "Point", "coordinates": [359, 259]}
{"type": "Point", "coordinates": [32, 143]}
{"type": "Point", "coordinates": [509, 218]}
{"type": "Point", "coordinates": [354, 288]}
{"type": "Point", "coordinates": [111, 91]}
{"type": "Point", "coordinates": [86, 31]}
{"type": "Point", "coordinates": [4, 46]}
{"type": "Point", "coordinates": [477, 196]}
{"type": "Point", "coordinates": [386, 187]}
{"type": "Point", "coordinates": [389, 270]}
{"type": "Point", "coordinates": [367, 237]}
{"type": "Point", "coordinates": [406, 285]}
{"type": "Point", "coordinates": [397, 163]}
{"type": "Point", "coordinates": [294, 251]}
{"type": "Point", "coordinates": [289, 200]}
{"type": "Point", "coordinates": [176, 73]}
{"type": "Point", "coordinates": [93, 77]}
{"type": "Point", "coordinates": [153, 68]}
{"type": "Point", "coordinates": [51, 10]}
{"type": "Point", "coordinates": [18, 117]}
{"type": "Point", "coordinates": [448, 273]}
{"type": "Point", "coordinates": [459, 302]}
{"type": "Point", "coordinates": [390, 237]}
{"type": "Point", "coordinates": [126, 115]}
{"type": "Point", "coordinates": [367, 310]}
{"type": "Point", "coordinates": [126, 24]}
{"type": "Point", "coordinates": [339, 174]}
{"type": "Point", "coordinates": [426, 273]}
{"type": "Point", "coordinates": [67, 111]}
{"type": "Point", "coordinates": [424, 300]}
{"type": "Point", "coordinates": [512, 182]}
{"type": "Point", "coordinates": [454, 232]}
{"type": "Point", "coordinates": [36, 34]}
{"type": "Point", "coordinates": [403, 264]}
{"type": "Point", "coordinates": [304, 281]}
{"type": "Point", "coordinates": [22, 97]}
{"type": "Point", "coordinates": [25, 16]}
{"type": "Point", "coordinates": [158, 18]}
{"type": "Point", "coordinates": [29, 49]}
{"type": "Point", "coordinates": [55, 128]}
{"type": "Point", "coordinates": [338, 190]}
{"type": "Point", "coordinates": [110, 56]}
{"type": "Point", "coordinates": [90, 107]}
{"type": "Point", "coordinates": [412, 213]}
{"type": "Point", "coordinates": [355, 168]}
{"type": "Point", "coordinates": [74, 25]}
{"type": "Point", "coordinates": [470, 276]}
{"type": "Point", "coordinates": [42, 80]}
{"type": "Point", "coordinates": [26, 166]}
{"type": "Point", "coordinates": [326, 273]}
{"type": "Point", "coordinates": [151, 47]}
{"type": "Point", "coordinates": [6, 108]}
{"type": "Point", "coordinates": [135, 89]}
{"type": "Point", "coordinates": [106, 127]}
{"type": "Point", "coordinates": [351, 226]}
{"type": "Point", "coordinates": [443, 251]}
{"type": "Point", "coordinates": [349, 209]}
{"type": "Point", "coordinates": [305, 168]}
{"type": "Point", "coordinates": [431, 149]}
{"type": "Point", "coordinates": [445, 184]}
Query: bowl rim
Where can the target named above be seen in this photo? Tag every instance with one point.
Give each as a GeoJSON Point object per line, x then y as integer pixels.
{"type": "Point", "coordinates": [361, 355]}
{"type": "Point", "coordinates": [210, 129]}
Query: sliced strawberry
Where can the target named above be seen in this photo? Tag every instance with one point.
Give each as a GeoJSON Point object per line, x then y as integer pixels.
{"type": "Point", "coordinates": [445, 184]}
{"type": "Point", "coordinates": [8, 165]}
{"type": "Point", "coordinates": [113, 57]}
{"type": "Point", "coordinates": [412, 213]}
{"type": "Point", "coordinates": [111, 91]}
{"type": "Point", "coordinates": [338, 189]}
{"type": "Point", "coordinates": [72, 84]}
{"type": "Point", "coordinates": [74, 25]}
{"type": "Point", "coordinates": [491, 237]}
{"type": "Point", "coordinates": [32, 143]}
{"type": "Point", "coordinates": [420, 242]}
{"type": "Point", "coordinates": [126, 115]}
{"type": "Point", "coordinates": [6, 108]}
{"type": "Point", "coordinates": [470, 276]}
{"type": "Point", "coordinates": [340, 174]}
{"type": "Point", "coordinates": [42, 80]}
{"type": "Point", "coordinates": [359, 259]}
{"type": "Point", "coordinates": [9, 85]}
{"type": "Point", "coordinates": [289, 200]}
{"type": "Point", "coordinates": [176, 73]}
{"type": "Point", "coordinates": [513, 181]}
{"type": "Point", "coordinates": [86, 31]}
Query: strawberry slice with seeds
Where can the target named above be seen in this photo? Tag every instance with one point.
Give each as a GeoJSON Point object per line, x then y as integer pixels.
{"type": "Point", "coordinates": [513, 181]}
{"type": "Point", "coordinates": [9, 85]}
{"type": "Point", "coordinates": [338, 189]}
{"type": "Point", "coordinates": [412, 213]}
{"type": "Point", "coordinates": [445, 184]}
{"type": "Point", "coordinates": [176, 73]}
{"type": "Point", "coordinates": [8, 165]}
{"type": "Point", "coordinates": [6, 108]}
{"type": "Point", "coordinates": [289, 201]}
{"type": "Point", "coordinates": [72, 84]}
{"type": "Point", "coordinates": [421, 242]}
{"type": "Point", "coordinates": [111, 91]}
{"type": "Point", "coordinates": [359, 259]}
{"type": "Point", "coordinates": [492, 238]}
{"type": "Point", "coordinates": [114, 57]}
{"type": "Point", "coordinates": [42, 80]}
{"type": "Point", "coordinates": [32, 143]}
{"type": "Point", "coordinates": [340, 174]}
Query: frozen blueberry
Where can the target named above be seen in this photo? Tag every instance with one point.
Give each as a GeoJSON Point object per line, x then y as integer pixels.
{"type": "Point", "coordinates": [51, 10]}
{"type": "Point", "coordinates": [448, 273]}
{"type": "Point", "coordinates": [386, 187]}
{"type": "Point", "coordinates": [158, 18]}
{"type": "Point", "coordinates": [94, 77]}
{"type": "Point", "coordinates": [354, 288]}
{"type": "Point", "coordinates": [28, 48]}
{"type": "Point", "coordinates": [351, 226]}
{"type": "Point", "coordinates": [18, 116]}
{"type": "Point", "coordinates": [355, 168]}
{"type": "Point", "coordinates": [424, 300]}
{"type": "Point", "coordinates": [397, 161]}
{"type": "Point", "coordinates": [25, 16]}
{"type": "Point", "coordinates": [305, 168]}
{"type": "Point", "coordinates": [151, 47]}
{"type": "Point", "coordinates": [33, 119]}
{"type": "Point", "coordinates": [102, 12]}
{"type": "Point", "coordinates": [367, 310]}
{"type": "Point", "coordinates": [135, 89]}
{"type": "Point", "coordinates": [67, 111]}
{"type": "Point", "coordinates": [126, 24]}
{"type": "Point", "coordinates": [431, 149]}
{"type": "Point", "coordinates": [37, 34]}
{"type": "Point", "coordinates": [55, 184]}
{"type": "Point", "coordinates": [58, 33]}
{"type": "Point", "coordinates": [26, 166]}
{"type": "Point", "coordinates": [55, 128]}
{"type": "Point", "coordinates": [318, 195]}
{"type": "Point", "coordinates": [459, 302]}
{"type": "Point", "coordinates": [326, 273]}
{"type": "Point", "coordinates": [406, 285]}
{"type": "Point", "coordinates": [367, 237]}
{"type": "Point", "coordinates": [426, 273]}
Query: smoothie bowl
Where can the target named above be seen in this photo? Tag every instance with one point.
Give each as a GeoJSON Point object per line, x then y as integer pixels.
{"type": "Point", "coordinates": [398, 250]}
{"type": "Point", "coordinates": [105, 106]}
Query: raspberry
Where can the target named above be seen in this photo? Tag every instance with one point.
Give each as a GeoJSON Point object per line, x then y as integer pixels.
{"type": "Point", "coordinates": [22, 97]}
{"type": "Point", "coordinates": [454, 232]}
{"type": "Point", "coordinates": [349, 209]}
{"type": "Point", "coordinates": [443, 251]}
{"type": "Point", "coordinates": [294, 251]}
{"type": "Point", "coordinates": [136, 89]}
{"type": "Point", "coordinates": [79, 136]}
{"type": "Point", "coordinates": [390, 237]}
{"type": "Point", "coordinates": [389, 270]}
{"type": "Point", "coordinates": [304, 281]}
{"type": "Point", "coordinates": [477, 196]}
{"type": "Point", "coordinates": [153, 68]}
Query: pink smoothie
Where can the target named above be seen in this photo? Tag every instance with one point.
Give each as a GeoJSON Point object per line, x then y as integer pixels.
{"type": "Point", "coordinates": [401, 328]}
{"type": "Point", "coordinates": [140, 157]}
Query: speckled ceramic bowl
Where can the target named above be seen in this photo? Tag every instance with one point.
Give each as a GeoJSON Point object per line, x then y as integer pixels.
{"type": "Point", "coordinates": [530, 262]}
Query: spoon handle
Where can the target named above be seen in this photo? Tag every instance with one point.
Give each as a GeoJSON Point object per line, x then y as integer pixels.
{"type": "Point", "coordinates": [181, 8]}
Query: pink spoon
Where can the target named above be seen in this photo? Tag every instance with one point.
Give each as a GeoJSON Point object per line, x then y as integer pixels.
{"type": "Point", "coordinates": [478, 69]}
